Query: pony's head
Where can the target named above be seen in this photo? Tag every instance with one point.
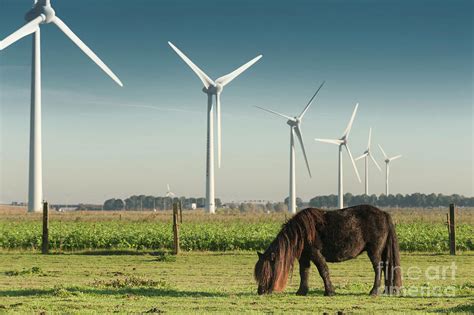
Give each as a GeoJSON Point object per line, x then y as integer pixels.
{"type": "Point", "coordinates": [275, 264]}
{"type": "Point", "coordinates": [270, 272]}
{"type": "Point", "coordinates": [264, 272]}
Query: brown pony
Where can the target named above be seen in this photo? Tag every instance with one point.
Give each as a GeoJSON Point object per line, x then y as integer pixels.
{"type": "Point", "coordinates": [331, 236]}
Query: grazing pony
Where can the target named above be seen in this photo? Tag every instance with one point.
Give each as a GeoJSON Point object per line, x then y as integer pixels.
{"type": "Point", "coordinates": [331, 236]}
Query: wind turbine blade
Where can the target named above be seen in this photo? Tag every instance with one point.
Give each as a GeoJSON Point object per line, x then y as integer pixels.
{"type": "Point", "coordinates": [332, 141]}
{"type": "Point", "coordinates": [349, 126]}
{"type": "Point", "coordinates": [361, 157]}
{"type": "Point", "coordinates": [370, 138]}
{"type": "Point", "coordinates": [353, 162]}
{"type": "Point", "coordinates": [276, 113]}
{"type": "Point", "coordinates": [168, 185]}
{"type": "Point", "coordinates": [226, 79]}
{"type": "Point", "coordinates": [300, 138]}
{"type": "Point", "coordinates": [86, 50]}
{"type": "Point", "coordinates": [383, 152]}
{"type": "Point", "coordinates": [375, 162]}
{"type": "Point", "coordinates": [219, 135]}
{"type": "Point", "coordinates": [310, 101]}
{"type": "Point", "coordinates": [23, 31]}
{"type": "Point", "coordinates": [201, 75]}
{"type": "Point", "coordinates": [395, 157]}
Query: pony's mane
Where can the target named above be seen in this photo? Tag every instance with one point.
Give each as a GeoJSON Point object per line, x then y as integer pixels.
{"type": "Point", "coordinates": [291, 240]}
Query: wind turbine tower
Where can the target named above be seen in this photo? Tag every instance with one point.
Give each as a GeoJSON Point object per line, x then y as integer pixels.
{"type": "Point", "coordinates": [213, 89]}
{"type": "Point", "coordinates": [368, 155]}
{"type": "Point", "coordinates": [343, 142]}
{"type": "Point", "coordinates": [295, 129]}
{"type": "Point", "coordinates": [387, 167]}
{"type": "Point", "coordinates": [43, 13]}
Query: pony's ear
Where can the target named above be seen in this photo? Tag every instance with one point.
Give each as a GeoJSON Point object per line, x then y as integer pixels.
{"type": "Point", "coordinates": [260, 255]}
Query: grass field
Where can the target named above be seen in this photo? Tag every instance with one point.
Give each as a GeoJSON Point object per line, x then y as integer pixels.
{"type": "Point", "coordinates": [106, 262]}
{"type": "Point", "coordinates": [212, 282]}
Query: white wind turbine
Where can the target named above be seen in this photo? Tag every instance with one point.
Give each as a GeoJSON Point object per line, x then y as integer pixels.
{"type": "Point", "coordinates": [43, 13]}
{"type": "Point", "coordinates": [169, 193]}
{"type": "Point", "coordinates": [387, 167]}
{"type": "Point", "coordinates": [368, 154]}
{"type": "Point", "coordinates": [295, 128]}
{"type": "Point", "coordinates": [342, 142]}
{"type": "Point", "coordinates": [213, 88]}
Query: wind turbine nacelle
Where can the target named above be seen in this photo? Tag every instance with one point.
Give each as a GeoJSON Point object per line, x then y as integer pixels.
{"type": "Point", "coordinates": [42, 7]}
{"type": "Point", "coordinates": [213, 89]}
{"type": "Point", "coordinates": [293, 123]}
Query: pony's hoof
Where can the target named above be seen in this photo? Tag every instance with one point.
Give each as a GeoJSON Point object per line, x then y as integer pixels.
{"type": "Point", "coordinates": [302, 292]}
{"type": "Point", "coordinates": [374, 293]}
{"type": "Point", "coordinates": [329, 293]}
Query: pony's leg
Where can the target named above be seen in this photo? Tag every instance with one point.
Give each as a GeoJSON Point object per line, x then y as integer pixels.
{"type": "Point", "coordinates": [375, 255]}
{"type": "Point", "coordinates": [305, 264]}
{"type": "Point", "coordinates": [320, 262]}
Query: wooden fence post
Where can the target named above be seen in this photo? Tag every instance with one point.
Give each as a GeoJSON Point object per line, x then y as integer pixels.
{"type": "Point", "coordinates": [175, 228]}
{"type": "Point", "coordinates": [45, 236]}
{"type": "Point", "coordinates": [452, 230]}
{"type": "Point", "coordinates": [180, 212]}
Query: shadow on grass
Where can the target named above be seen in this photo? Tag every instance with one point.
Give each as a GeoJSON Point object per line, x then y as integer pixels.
{"type": "Point", "coordinates": [459, 252]}
{"type": "Point", "coordinates": [311, 293]}
{"type": "Point", "coordinates": [463, 308]}
{"type": "Point", "coordinates": [161, 255]}
{"type": "Point", "coordinates": [119, 252]}
{"type": "Point", "coordinates": [149, 292]}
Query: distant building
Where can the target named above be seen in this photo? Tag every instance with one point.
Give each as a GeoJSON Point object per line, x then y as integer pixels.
{"type": "Point", "coordinates": [66, 209]}
{"type": "Point", "coordinates": [254, 202]}
{"type": "Point", "coordinates": [18, 204]}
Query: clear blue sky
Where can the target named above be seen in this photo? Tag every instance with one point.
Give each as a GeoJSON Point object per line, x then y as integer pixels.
{"type": "Point", "coordinates": [408, 63]}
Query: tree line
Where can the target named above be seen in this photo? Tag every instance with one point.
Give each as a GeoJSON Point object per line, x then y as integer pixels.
{"type": "Point", "coordinates": [415, 200]}
{"type": "Point", "coordinates": [143, 202]}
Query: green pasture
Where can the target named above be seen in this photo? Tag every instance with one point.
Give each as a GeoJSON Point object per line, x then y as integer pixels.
{"type": "Point", "coordinates": [218, 282]}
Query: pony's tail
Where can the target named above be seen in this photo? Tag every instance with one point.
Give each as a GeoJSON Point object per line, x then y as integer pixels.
{"type": "Point", "coordinates": [393, 273]}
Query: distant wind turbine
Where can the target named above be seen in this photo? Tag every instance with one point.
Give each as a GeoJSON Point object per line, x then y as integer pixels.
{"type": "Point", "coordinates": [213, 88]}
{"type": "Point", "coordinates": [295, 128]}
{"type": "Point", "coordinates": [342, 142]}
{"type": "Point", "coordinates": [43, 13]}
{"type": "Point", "coordinates": [368, 154]}
{"type": "Point", "coordinates": [169, 193]}
{"type": "Point", "coordinates": [387, 167]}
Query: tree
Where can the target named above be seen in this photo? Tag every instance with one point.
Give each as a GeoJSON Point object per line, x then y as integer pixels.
{"type": "Point", "coordinates": [245, 207]}
{"type": "Point", "coordinates": [281, 207]}
{"type": "Point", "coordinates": [269, 206]}
{"type": "Point", "coordinates": [348, 199]}
{"type": "Point", "coordinates": [109, 204]}
{"type": "Point", "coordinates": [201, 202]}
{"type": "Point", "coordinates": [119, 204]}
{"type": "Point", "coordinates": [299, 202]}
{"type": "Point", "coordinates": [148, 202]}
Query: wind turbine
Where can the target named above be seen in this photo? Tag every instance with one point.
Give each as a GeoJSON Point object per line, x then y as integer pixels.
{"type": "Point", "coordinates": [342, 142]}
{"type": "Point", "coordinates": [387, 167]}
{"type": "Point", "coordinates": [368, 154]}
{"type": "Point", "coordinates": [43, 13]}
{"type": "Point", "coordinates": [295, 128]}
{"type": "Point", "coordinates": [213, 88]}
{"type": "Point", "coordinates": [169, 193]}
